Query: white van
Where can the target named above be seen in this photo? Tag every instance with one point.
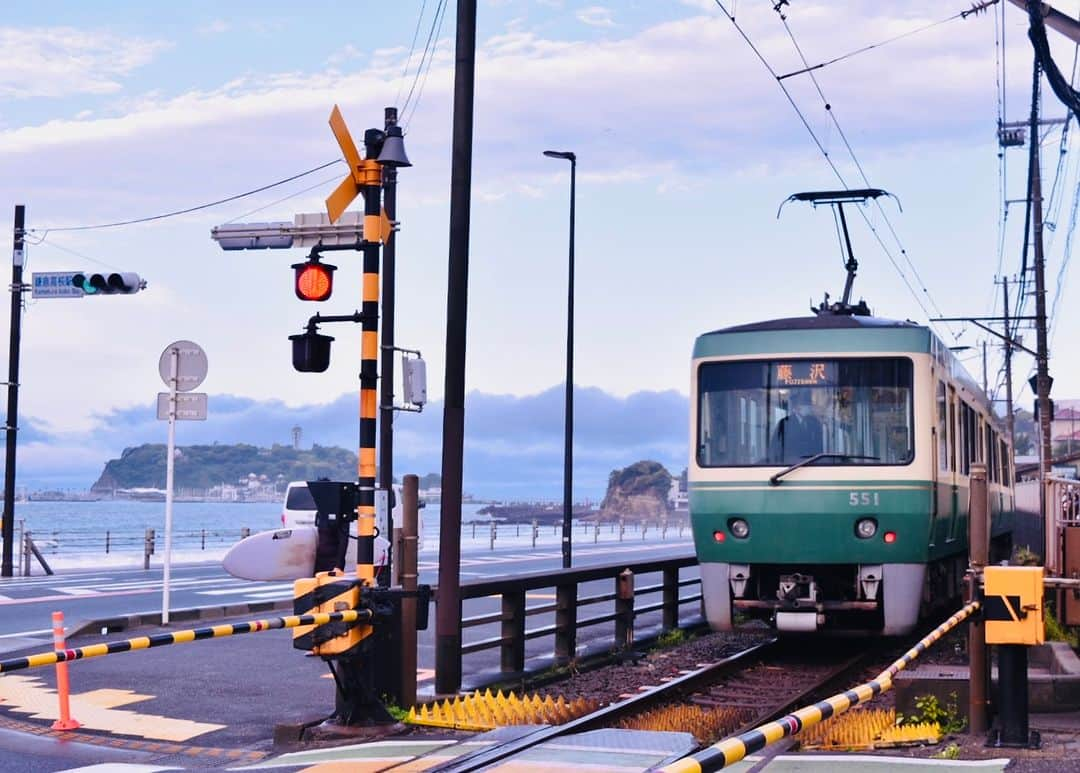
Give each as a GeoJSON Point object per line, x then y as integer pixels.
{"type": "Point", "coordinates": [298, 509]}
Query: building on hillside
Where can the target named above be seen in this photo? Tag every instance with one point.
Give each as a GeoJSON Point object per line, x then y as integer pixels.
{"type": "Point", "coordinates": [1065, 428]}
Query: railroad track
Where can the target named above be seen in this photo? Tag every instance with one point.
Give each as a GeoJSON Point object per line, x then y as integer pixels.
{"type": "Point", "coordinates": [751, 687]}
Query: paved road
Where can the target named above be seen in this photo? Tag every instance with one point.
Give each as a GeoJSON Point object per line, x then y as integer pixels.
{"type": "Point", "coordinates": [222, 695]}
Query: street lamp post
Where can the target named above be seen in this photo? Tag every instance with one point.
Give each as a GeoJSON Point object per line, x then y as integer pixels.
{"type": "Point", "coordinates": [568, 453]}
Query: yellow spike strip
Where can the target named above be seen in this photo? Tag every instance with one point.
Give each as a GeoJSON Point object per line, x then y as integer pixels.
{"type": "Point", "coordinates": [705, 724]}
{"type": "Point", "coordinates": [484, 711]}
{"type": "Point", "coordinates": [868, 729]}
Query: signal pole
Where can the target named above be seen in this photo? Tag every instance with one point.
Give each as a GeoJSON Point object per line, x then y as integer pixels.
{"type": "Point", "coordinates": [386, 393]}
{"type": "Point", "coordinates": [12, 425]}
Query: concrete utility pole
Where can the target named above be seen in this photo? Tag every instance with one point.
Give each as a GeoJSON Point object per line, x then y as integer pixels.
{"type": "Point", "coordinates": [1042, 391]}
{"type": "Point", "coordinates": [12, 427]}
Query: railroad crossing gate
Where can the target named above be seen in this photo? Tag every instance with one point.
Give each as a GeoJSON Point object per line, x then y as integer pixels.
{"type": "Point", "coordinates": [1013, 605]}
{"type": "Point", "coordinates": [328, 592]}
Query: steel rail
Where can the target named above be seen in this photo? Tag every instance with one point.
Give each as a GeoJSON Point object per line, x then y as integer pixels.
{"type": "Point", "coordinates": [733, 749]}
{"type": "Point", "coordinates": [181, 637]}
{"type": "Point", "coordinates": [485, 757]}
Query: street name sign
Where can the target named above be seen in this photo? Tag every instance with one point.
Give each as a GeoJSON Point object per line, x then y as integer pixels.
{"type": "Point", "coordinates": [55, 284]}
{"type": "Point", "coordinates": [190, 406]}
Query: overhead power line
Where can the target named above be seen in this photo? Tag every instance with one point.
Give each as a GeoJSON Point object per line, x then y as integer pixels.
{"type": "Point", "coordinates": [175, 213]}
{"type": "Point", "coordinates": [412, 48]}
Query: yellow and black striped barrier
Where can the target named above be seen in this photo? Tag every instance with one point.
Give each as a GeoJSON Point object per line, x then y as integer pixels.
{"type": "Point", "coordinates": [731, 750]}
{"type": "Point", "coordinates": [180, 637]}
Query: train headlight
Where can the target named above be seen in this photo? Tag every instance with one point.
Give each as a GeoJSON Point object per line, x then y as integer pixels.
{"type": "Point", "coordinates": [865, 528]}
{"type": "Point", "coordinates": [740, 529]}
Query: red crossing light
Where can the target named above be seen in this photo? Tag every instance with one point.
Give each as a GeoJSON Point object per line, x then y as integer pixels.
{"type": "Point", "coordinates": [314, 280]}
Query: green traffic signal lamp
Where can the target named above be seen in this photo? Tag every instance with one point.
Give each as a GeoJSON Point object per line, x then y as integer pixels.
{"type": "Point", "coordinates": [314, 280]}
{"type": "Point", "coordinates": [121, 282]}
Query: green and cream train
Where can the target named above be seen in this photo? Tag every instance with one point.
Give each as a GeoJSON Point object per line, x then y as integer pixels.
{"type": "Point", "coordinates": [828, 478]}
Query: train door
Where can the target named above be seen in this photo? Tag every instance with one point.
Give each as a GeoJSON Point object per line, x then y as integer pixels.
{"type": "Point", "coordinates": [942, 487]}
{"type": "Point", "coordinates": [956, 463]}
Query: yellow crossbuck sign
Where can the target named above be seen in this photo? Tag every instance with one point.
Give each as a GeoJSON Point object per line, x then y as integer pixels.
{"type": "Point", "coordinates": [361, 172]}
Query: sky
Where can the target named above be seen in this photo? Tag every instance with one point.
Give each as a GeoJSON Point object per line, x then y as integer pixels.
{"type": "Point", "coordinates": [686, 148]}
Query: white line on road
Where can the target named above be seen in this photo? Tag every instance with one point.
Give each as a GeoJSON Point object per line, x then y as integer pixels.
{"type": "Point", "coordinates": [17, 634]}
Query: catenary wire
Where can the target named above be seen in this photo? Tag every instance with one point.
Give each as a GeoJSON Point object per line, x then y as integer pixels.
{"type": "Point", "coordinates": [862, 172]}
{"type": "Point", "coordinates": [977, 8]}
{"type": "Point", "coordinates": [824, 153]}
{"type": "Point", "coordinates": [45, 231]}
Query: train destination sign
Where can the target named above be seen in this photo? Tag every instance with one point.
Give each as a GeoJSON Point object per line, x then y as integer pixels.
{"type": "Point", "coordinates": [804, 373]}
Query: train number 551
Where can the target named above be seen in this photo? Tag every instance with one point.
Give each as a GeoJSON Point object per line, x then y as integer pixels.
{"type": "Point", "coordinates": [857, 498]}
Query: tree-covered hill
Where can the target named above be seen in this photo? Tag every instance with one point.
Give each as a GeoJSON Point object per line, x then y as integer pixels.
{"type": "Point", "coordinates": [201, 467]}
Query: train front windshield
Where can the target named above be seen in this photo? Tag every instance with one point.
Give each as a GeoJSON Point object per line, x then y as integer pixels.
{"type": "Point", "coordinates": [780, 412]}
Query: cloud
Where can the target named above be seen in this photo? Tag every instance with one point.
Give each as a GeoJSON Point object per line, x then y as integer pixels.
{"type": "Point", "coordinates": [596, 16]}
{"type": "Point", "coordinates": [59, 61]}
{"type": "Point", "coordinates": [216, 27]}
{"type": "Point", "coordinates": [513, 445]}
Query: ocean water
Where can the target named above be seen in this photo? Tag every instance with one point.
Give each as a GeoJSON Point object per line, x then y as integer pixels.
{"type": "Point", "coordinates": [89, 534]}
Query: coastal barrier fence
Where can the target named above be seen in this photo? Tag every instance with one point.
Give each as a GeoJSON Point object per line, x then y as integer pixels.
{"type": "Point", "coordinates": [40, 544]}
{"type": "Point", "coordinates": [584, 529]}
{"type": "Point", "coordinates": [43, 545]}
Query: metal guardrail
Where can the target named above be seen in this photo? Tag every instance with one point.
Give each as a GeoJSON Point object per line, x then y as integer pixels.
{"type": "Point", "coordinates": [625, 603]}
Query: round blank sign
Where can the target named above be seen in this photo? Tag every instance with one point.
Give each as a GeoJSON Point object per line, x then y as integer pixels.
{"type": "Point", "coordinates": [190, 365]}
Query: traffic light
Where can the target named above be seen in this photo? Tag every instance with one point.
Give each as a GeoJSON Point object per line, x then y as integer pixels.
{"type": "Point", "coordinates": [123, 283]}
{"type": "Point", "coordinates": [314, 280]}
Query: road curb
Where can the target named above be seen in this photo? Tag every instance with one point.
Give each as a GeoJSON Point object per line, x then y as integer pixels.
{"type": "Point", "coordinates": [108, 625]}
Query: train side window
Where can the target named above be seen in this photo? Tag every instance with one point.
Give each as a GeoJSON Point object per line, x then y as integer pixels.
{"type": "Point", "coordinates": [952, 429]}
{"type": "Point", "coordinates": [965, 439]}
{"type": "Point", "coordinates": [943, 428]}
{"type": "Point", "coordinates": [976, 434]}
{"type": "Point", "coordinates": [1006, 478]}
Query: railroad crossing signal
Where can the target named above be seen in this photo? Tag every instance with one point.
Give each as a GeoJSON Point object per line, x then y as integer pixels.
{"type": "Point", "coordinates": [390, 149]}
{"type": "Point", "coordinates": [314, 280]}
{"type": "Point", "coordinates": [349, 188]}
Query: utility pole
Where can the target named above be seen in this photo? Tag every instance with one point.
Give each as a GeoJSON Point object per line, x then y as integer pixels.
{"type": "Point", "coordinates": [986, 382]}
{"type": "Point", "coordinates": [386, 394]}
{"type": "Point", "coordinates": [12, 427]}
{"type": "Point", "coordinates": [448, 607]}
{"type": "Point", "coordinates": [1042, 392]}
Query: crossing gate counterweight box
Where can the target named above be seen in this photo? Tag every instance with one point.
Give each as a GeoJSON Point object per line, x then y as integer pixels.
{"type": "Point", "coordinates": [1013, 604]}
{"type": "Point", "coordinates": [328, 592]}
